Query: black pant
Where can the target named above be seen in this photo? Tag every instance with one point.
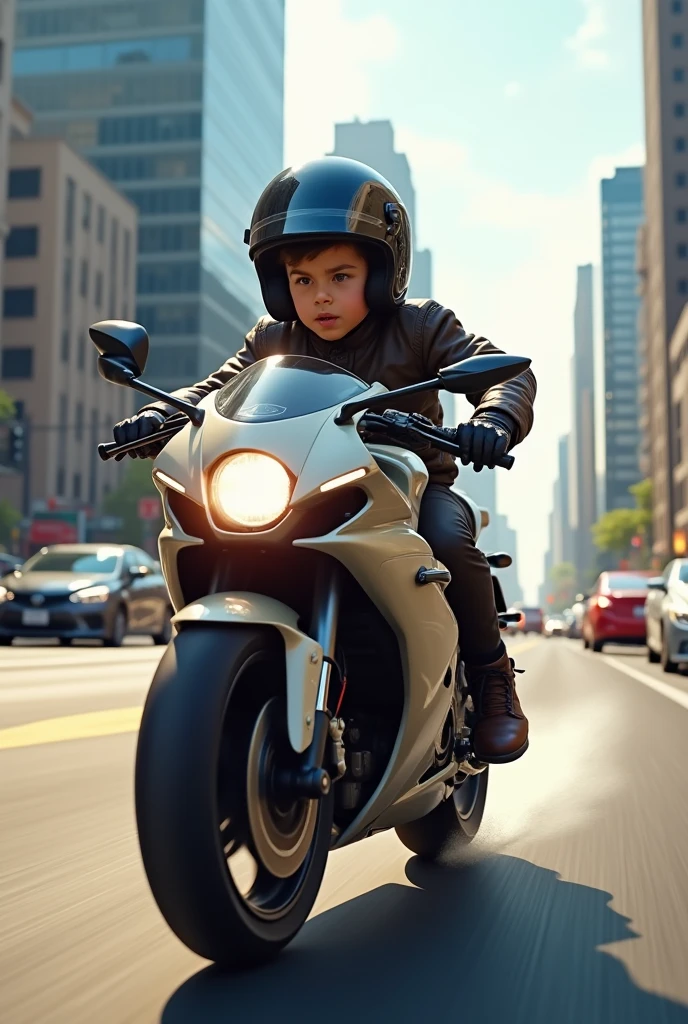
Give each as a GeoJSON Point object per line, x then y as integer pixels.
{"type": "Point", "coordinates": [446, 524]}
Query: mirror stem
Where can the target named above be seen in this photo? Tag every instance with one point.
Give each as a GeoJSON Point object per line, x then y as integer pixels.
{"type": "Point", "coordinates": [193, 412]}
{"type": "Point", "coordinates": [381, 401]}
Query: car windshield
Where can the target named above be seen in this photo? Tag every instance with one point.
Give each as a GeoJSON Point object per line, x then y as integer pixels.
{"type": "Point", "coordinates": [627, 581]}
{"type": "Point", "coordinates": [283, 387]}
{"type": "Point", "coordinates": [683, 574]}
{"type": "Point", "coordinates": [102, 562]}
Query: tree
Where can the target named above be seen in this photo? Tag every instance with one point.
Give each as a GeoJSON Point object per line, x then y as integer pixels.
{"type": "Point", "coordinates": [9, 519]}
{"type": "Point", "coordinates": [562, 580]}
{"type": "Point", "coordinates": [8, 409]}
{"type": "Point", "coordinates": [124, 502]}
{"type": "Point", "coordinates": [615, 532]}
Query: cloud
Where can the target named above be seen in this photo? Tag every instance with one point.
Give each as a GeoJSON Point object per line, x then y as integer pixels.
{"type": "Point", "coordinates": [586, 42]}
{"type": "Point", "coordinates": [512, 90]}
{"type": "Point", "coordinates": [327, 79]}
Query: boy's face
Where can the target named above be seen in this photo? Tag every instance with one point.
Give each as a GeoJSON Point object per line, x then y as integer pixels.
{"type": "Point", "coordinates": [328, 291]}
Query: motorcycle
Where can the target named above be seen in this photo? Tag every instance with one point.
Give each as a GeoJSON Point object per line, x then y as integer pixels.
{"type": "Point", "coordinates": [313, 694]}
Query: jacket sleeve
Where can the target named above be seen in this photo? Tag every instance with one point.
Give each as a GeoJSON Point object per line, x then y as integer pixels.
{"type": "Point", "coordinates": [251, 352]}
{"type": "Point", "coordinates": [444, 341]}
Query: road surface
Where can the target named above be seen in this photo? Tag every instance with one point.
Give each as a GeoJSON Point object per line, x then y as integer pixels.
{"type": "Point", "coordinates": [573, 904]}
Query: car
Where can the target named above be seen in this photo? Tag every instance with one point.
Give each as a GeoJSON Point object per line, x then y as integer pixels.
{"type": "Point", "coordinates": [666, 616]}
{"type": "Point", "coordinates": [555, 625]}
{"type": "Point", "coordinates": [8, 563]}
{"type": "Point", "coordinates": [575, 622]}
{"type": "Point", "coordinates": [532, 620]}
{"type": "Point", "coordinates": [615, 611]}
{"type": "Point", "coordinates": [86, 591]}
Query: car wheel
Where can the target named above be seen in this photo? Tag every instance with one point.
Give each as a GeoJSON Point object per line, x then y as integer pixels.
{"type": "Point", "coordinates": [119, 630]}
{"type": "Point", "coordinates": [597, 646]}
{"type": "Point", "coordinates": [65, 641]}
{"type": "Point", "coordinates": [653, 657]}
{"type": "Point", "coordinates": [165, 635]}
{"type": "Point", "coordinates": [5, 641]}
{"type": "Point", "coordinates": [667, 664]}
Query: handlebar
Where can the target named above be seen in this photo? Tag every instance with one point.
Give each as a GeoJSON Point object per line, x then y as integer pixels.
{"type": "Point", "coordinates": [171, 426]}
{"type": "Point", "coordinates": [401, 424]}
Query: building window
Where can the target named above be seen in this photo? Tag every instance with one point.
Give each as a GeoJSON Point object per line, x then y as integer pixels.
{"type": "Point", "coordinates": [681, 179]}
{"type": "Point", "coordinates": [681, 215]}
{"type": "Point", "coordinates": [114, 238]}
{"type": "Point", "coordinates": [86, 213]}
{"type": "Point", "coordinates": [127, 260]}
{"type": "Point", "coordinates": [99, 289]}
{"type": "Point", "coordinates": [83, 280]}
{"type": "Point", "coordinates": [79, 425]}
{"type": "Point", "coordinates": [60, 482]}
{"type": "Point", "coordinates": [24, 183]}
{"type": "Point", "coordinates": [683, 286]}
{"type": "Point", "coordinates": [69, 210]}
{"type": "Point", "coordinates": [682, 250]}
{"type": "Point", "coordinates": [677, 6]}
{"type": "Point", "coordinates": [100, 230]}
{"type": "Point", "coordinates": [81, 351]}
{"type": "Point", "coordinates": [67, 287]}
{"type": "Point", "coordinates": [679, 74]}
{"type": "Point", "coordinates": [76, 485]}
{"type": "Point", "coordinates": [21, 243]}
{"type": "Point", "coordinates": [677, 40]}
{"type": "Point", "coordinates": [17, 363]}
{"type": "Point", "coordinates": [19, 302]}
{"type": "Point", "coordinates": [64, 347]}
{"type": "Point", "coordinates": [680, 144]}
{"type": "Point", "coordinates": [679, 110]}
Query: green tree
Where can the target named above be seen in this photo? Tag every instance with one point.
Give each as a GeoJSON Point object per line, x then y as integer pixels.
{"type": "Point", "coordinates": [9, 519]}
{"type": "Point", "coordinates": [615, 530]}
{"type": "Point", "coordinates": [124, 501]}
{"type": "Point", "coordinates": [562, 579]}
{"type": "Point", "coordinates": [8, 409]}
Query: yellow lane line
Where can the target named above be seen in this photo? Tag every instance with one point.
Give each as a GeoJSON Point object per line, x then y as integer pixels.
{"type": "Point", "coordinates": [71, 727]}
{"type": "Point", "coordinates": [525, 646]}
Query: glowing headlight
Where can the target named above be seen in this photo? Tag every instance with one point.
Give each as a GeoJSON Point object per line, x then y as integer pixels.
{"type": "Point", "coordinates": [90, 595]}
{"type": "Point", "coordinates": [6, 595]}
{"type": "Point", "coordinates": [680, 617]}
{"type": "Point", "coordinates": [250, 489]}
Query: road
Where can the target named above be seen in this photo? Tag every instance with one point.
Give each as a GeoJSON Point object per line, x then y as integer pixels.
{"type": "Point", "coordinates": [572, 906]}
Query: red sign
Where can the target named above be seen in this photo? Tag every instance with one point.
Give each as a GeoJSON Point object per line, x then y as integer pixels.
{"type": "Point", "coordinates": [52, 531]}
{"type": "Point", "coordinates": [150, 508]}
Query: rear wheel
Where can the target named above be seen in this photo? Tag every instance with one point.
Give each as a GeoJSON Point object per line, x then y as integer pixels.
{"type": "Point", "coordinates": [453, 824]}
{"type": "Point", "coordinates": [667, 664]}
{"type": "Point", "coordinates": [234, 862]}
{"type": "Point", "coordinates": [65, 641]}
{"type": "Point", "coordinates": [119, 630]}
{"type": "Point", "coordinates": [597, 646]}
{"type": "Point", "coordinates": [5, 641]}
{"type": "Point", "coordinates": [165, 635]}
{"type": "Point", "coordinates": [653, 657]}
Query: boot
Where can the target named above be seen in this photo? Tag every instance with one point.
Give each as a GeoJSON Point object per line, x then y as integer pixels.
{"type": "Point", "coordinates": [500, 729]}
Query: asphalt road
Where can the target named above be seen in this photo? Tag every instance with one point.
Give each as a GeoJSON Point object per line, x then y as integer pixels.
{"type": "Point", "coordinates": [572, 906]}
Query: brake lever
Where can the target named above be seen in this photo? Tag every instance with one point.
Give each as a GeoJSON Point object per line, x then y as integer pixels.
{"type": "Point", "coordinates": [109, 449]}
{"type": "Point", "coordinates": [392, 421]}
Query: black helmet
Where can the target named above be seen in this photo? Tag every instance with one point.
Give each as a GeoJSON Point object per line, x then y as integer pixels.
{"type": "Point", "coordinates": [333, 199]}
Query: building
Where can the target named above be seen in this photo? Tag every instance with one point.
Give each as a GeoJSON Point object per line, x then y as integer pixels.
{"type": "Point", "coordinates": [563, 548]}
{"type": "Point", "coordinates": [678, 360]}
{"type": "Point", "coordinates": [180, 104]}
{"type": "Point", "coordinates": [70, 258]}
{"type": "Point", "coordinates": [622, 215]}
{"type": "Point", "coordinates": [665, 45]}
{"type": "Point", "coordinates": [6, 42]}
{"type": "Point", "coordinates": [581, 459]}
{"type": "Point", "coordinates": [372, 142]}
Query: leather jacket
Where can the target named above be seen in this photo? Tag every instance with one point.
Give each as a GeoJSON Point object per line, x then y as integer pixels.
{"type": "Point", "coordinates": [405, 347]}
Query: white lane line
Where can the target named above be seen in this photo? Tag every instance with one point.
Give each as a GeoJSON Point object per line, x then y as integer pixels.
{"type": "Point", "coordinates": [678, 696]}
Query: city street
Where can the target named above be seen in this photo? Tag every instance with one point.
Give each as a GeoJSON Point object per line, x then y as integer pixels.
{"type": "Point", "coordinates": [573, 904]}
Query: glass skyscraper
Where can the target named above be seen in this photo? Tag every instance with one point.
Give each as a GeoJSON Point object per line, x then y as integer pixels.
{"type": "Point", "coordinates": [622, 215]}
{"type": "Point", "coordinates": [180, 104]}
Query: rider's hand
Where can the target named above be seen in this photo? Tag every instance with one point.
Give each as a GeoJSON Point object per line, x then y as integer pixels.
{"type": "Point", "coordinates": [482, 442]}
{"type": "Point", "coordinates": [144, 423]}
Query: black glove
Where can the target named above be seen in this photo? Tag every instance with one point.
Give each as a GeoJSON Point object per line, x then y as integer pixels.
{"type": "Point", "coordinates": [144, 423]}
{"type": "Point", "coordinates": [482, 441]}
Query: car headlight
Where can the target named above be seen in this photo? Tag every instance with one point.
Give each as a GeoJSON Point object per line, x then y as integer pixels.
{"type": "Point", "coordinates": [90, 595]}
{"type": "Point", "coordinates": [250, 490]}
{"type": "Point", "coordinates": [6, 595]}
{"type": "Point", "coordinates": [680, 617]}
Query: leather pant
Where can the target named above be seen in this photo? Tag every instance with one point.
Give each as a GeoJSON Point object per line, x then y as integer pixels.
{"type": "Point", "coordinates": [446, 523]}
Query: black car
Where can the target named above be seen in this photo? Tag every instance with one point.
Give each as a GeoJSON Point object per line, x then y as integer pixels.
{"type": "Point", "coordinates": [86, 591]}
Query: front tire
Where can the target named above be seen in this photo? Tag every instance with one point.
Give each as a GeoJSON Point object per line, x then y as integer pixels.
{"type": "Point", "coordinates": [207, 756]}
{"type": "Point", "coordinates": [119, 629]}
{"type": "Point", "coordinates": [597, 646]}
{"type": "Point", "coordinates": [452, 825]}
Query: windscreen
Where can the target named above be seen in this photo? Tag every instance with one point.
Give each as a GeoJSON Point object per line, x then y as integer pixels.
{"type": "Point", "coordinates": [93, 563]}
{"type": "Point", "coordinates": [283, 387]}
{"type": "Point", "coordinates": [627, 581]}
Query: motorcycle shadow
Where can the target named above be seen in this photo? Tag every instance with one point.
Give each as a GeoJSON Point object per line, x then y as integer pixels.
{"type": "Point", "coordinates": [495, 940]}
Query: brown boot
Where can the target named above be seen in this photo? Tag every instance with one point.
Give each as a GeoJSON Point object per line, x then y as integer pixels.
{"type": "Point", "coordinates": [500, 730]}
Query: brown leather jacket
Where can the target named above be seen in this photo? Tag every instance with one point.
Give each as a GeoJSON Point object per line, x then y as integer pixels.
{"type": "Point", "coordinates": [406, 347]}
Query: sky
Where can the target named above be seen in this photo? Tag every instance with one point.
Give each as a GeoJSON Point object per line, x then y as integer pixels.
{"type": "Point", "coordinates": [510, 114]}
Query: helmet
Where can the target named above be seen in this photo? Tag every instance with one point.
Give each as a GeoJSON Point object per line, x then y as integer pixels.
{"type": "Point", "coordinates": [339, 200]}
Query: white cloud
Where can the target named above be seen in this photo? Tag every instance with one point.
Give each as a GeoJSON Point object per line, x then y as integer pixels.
{"type": "Point", "coordinates": [512, 90]}
{"type": "Point", "coordinates": [326, 73]}
{"type": "Point", "coordinates": [586, 42]}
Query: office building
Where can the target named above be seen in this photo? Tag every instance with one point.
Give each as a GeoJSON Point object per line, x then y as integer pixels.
{"type": "Point", "coordinates": [372, 142]}
{"type": "Point", "coordinates": [180, 104]}
{"type": "Point", "coordinates": [70, 257]}
{"type": "Point", "coordinates": [6, 42]}
{"type": "Point", "coordinates": [582, 498]}
{"type": "Point", "coordinates": [665, 286]}
{"type": "Point", "coordinates": [622, 215]}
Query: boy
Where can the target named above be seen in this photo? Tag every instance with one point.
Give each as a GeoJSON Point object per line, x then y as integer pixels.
{"type": "Point", "coordinates": [331, 244]}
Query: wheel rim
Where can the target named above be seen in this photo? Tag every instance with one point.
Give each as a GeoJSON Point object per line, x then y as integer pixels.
{"type": "Point", "coordinates": [466, 796]}
{"type": "Point", "coordinates": [267, 843]}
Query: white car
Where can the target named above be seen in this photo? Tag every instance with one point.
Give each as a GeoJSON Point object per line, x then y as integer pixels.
{"type": "Point", "coordinates": [555, 625]}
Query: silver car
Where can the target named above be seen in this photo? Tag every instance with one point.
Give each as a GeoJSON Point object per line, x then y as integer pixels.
{"type": "Point", "coordinates": [666, 615]}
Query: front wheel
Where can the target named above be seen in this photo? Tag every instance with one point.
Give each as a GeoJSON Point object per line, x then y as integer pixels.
{"type": "Point", "coordinates": [234, 862]}
{"type": "Point", "coordinates": [453, 824]}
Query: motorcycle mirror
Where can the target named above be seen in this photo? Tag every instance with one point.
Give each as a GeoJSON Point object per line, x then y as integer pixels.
{"type": "Point", "coordinates": [123, 348]}
{"type": "Point", "coordinates": [479, 373]}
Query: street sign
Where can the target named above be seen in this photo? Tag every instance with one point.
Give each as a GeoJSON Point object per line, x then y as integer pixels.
{"type": "Point", "coordinates": [149, 508]}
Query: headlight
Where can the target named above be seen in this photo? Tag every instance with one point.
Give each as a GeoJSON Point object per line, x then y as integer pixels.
{"type": "Point", "coordinates": [680, 617]}
{"type": "Point", "coordinates": [6, 595]}
{"type": "Point", "coordinates": [90, 595]}
{"type": "Point", "coordinates": [250, 490]}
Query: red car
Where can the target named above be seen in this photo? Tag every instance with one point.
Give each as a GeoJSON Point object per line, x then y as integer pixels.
{"type": "Point", "coordinates": [615, 612]}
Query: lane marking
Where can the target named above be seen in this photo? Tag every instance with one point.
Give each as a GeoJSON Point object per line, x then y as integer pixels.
{"type": "Point", "coordinates": [90, 725]}
{"type": "Point", "coordinates": [525, 646]}
{"type": "Point", "coordinates": [678, 696]}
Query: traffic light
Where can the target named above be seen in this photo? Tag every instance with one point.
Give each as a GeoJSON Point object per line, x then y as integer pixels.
{"type": "Point", "coordinates": [16, 452]}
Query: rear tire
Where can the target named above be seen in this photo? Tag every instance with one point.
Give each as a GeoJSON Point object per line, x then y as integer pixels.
{"type": "Point", "coordinates": [163, 638]}
{"type": "Point", "coordinates": [452, 825]}
{"type": "Point", "coordinates": [597, 646]}
{"type": "Point", "coordinates": [119, 630]}
{"type": "Point", "coordinates": [6, 641]}
{"type": "Point", "coordinates": [197, 803]}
